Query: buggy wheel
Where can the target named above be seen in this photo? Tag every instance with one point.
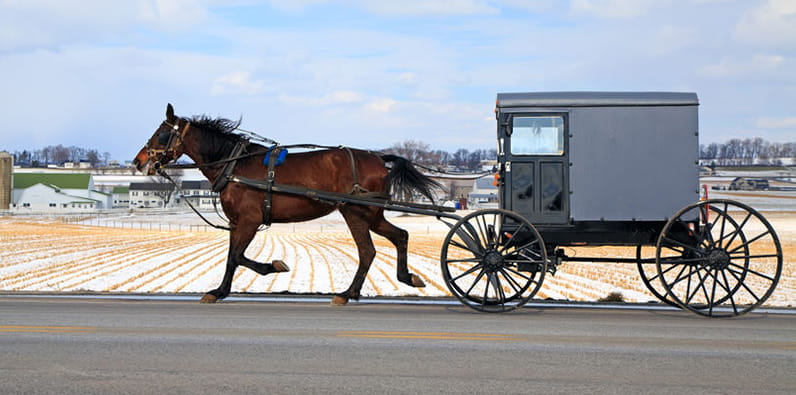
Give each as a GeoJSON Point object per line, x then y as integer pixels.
{"type": "Point", "coordinates": [718, 258]}
{"type": "Point", "coordinates": [649, 276]}
{"type": "Point", "coordinates": [493, 260]}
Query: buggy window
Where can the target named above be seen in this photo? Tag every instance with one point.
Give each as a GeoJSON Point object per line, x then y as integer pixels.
{"type": "Point", "coordinates": [542, 135]}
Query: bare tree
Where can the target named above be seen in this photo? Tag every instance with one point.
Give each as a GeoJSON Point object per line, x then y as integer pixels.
{"type": "Point", "coordinates": [166, 193]}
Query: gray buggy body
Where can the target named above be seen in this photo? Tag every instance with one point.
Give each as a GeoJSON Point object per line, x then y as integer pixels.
{"type": "Point", "coordinates": [597, 167]}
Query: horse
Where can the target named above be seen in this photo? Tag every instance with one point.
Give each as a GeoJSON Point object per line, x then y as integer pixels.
{"type": "Point", "coordinates": [212, 144]}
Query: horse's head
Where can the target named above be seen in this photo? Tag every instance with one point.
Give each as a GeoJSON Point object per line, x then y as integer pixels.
{"type": "Point", "coordinates": [165, 145]}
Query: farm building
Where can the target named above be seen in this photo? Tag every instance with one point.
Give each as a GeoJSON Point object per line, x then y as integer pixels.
{"type": "Point", "coordinates": [57, 192]}
{"type": "Point", "coordinates": [152, 195]}
{"type": "Point", "coordinates": [198, 193]}
{"type": "Point", "coordinates": [121, 197]}
{"type": "Point", "coordinates": [485, 192]}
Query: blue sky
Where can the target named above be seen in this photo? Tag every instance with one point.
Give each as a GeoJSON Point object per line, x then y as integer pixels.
{"type": "Point", "coordinates": [98, 74]}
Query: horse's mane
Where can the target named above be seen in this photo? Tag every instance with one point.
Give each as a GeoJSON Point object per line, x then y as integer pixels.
{"type": "Point", "coordinates": [219, 137]}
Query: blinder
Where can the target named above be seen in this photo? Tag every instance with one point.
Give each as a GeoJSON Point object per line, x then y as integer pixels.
{"type": "Point", "coordinates": [171, 140]}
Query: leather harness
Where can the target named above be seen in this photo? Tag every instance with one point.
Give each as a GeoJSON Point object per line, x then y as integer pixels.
{"type": "Point", "coordinates": [226, 174]}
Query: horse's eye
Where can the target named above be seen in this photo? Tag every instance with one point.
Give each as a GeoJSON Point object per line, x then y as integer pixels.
{"type": "Point", "coordinates": [163, 138]}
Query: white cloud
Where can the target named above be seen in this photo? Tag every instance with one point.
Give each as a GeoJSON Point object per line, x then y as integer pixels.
{"type": "Point", "coordinates": [335, 98]}
{"type": "Point", "coordinates": [428, 8]}
{"type": "Point", "coordinates": [294, 5]}
{"type": "Point", "coordinates": [620, 9]}
{"type": "Point", "coordinates": [776, 123]}
{"type": "Point", "coordinates": [53, 23]}
{"type": "Point", "coordinates": [772, 23]}
{"type": "Point", "coordinates": [759, 64]}
{"type": "Point", "coordinates": [383, 104]}
{"type": "Point", "coordinates": [237, 82]}
{"type": "Point", "coordinates": [670, 38]}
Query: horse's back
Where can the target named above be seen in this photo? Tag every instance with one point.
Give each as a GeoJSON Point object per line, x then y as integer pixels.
{"type": "Point", "coordinates": [324, 170]}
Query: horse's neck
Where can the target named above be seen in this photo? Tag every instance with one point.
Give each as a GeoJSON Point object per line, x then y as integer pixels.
{"type": "Point", "coordinates": [193, 151]}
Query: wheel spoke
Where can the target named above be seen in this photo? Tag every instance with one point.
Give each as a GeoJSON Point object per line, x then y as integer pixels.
{"type": "Point", "coordinates": [522, 247]}
{"type": "Point", "coordinates": [518, 273]}
{"type": "Point", "coordinates": [731, 294]}
{"type": "Point", "coordinates": [740, 281]}
{"type": "Point", "coordinates": [472, 244]}
{"type": "Point", "coordinates": [467, 260]}
{"type": "Point", "coordinates": [512, 237]}
{"type": "Point", "coordinates": [679, 244]}
{"type": "Point", "coordinates": [705, 232]}
{"type": "Point", "coordinates": [754, 256]}
{"type": "Point", "coordinates": [738, 230]}
{"type": "Point", "coordinates": [752, 271]}
{"type": "Point", "coordinates": [500, 294]}
{"type": "Point", "coordinates": [481, 232]}
{"type": "Point", "coordinates": [670, 268]}
{"type": "Point", "coordinates": [723, 224]}
{"type": "Point", "coordinates": [475, 282]}
{"type": "Point", "coordinates": [686, 277]}
{"type": "Point", "coordinates": [744, 245]}
{"type": "Point", "coordinates": [712, 293]}
{"type": "Point", "coordinates": [462, 246]}
{"type": "Point", "coordinates": [512, 282]}
{"type": "Point", "coordinates": [468, 271]}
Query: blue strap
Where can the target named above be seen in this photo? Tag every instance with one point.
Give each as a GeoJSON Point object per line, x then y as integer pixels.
{"type": "Point", "coordinates": [279, 159]}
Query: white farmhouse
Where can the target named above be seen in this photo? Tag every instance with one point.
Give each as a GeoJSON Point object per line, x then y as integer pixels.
{"type": "Point", "coordinates": [198, 193]}
{"type": "Point", "coordinates": [57, 192]}
{"type": "Point", "coordinates": [152, 195]}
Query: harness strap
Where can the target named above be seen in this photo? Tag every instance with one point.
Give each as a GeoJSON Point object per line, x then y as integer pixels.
{"type": "Point", "coordinates": [356, 189]}
{"type": "Point", "coordinates": [222, 179]}
{"type": "Point", "coordinates": [269, 182]}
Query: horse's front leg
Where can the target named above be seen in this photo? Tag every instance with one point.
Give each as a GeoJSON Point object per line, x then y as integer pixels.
{"type": "Point", "coordinates": [240, 238]}
{"type": "Point", "coordinates": [226, 284]}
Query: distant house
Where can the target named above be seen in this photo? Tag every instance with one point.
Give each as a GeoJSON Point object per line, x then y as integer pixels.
{"type": "Point", "coordinates": [152, 195]}
{"type": "Point", "coordinates": [484, 192]}
{"type": "Point", "coordinates": [121, 197]}
{"type": "Point", "coordinates": [198, 193]}
{"type": "Point", "coordinates": [57, 192]}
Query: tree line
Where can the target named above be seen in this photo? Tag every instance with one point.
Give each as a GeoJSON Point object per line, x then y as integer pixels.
{"type": "Point", "coordinates": [58, 155]}
{"type": "Point", "coordinates": [750, 151]}
{"type": "Point", "coordinates": [461, 159]}
{"type": "Point", "coordinates": [735, 152]}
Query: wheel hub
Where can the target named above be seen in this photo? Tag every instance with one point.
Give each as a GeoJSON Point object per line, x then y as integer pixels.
{"type": "Point", "coordinates": [718, 259]}
{"type": "Point", "coordinates": [493, 261]}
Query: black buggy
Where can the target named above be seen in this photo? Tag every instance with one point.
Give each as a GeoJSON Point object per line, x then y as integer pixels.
{"type": "Point", "coordinates": [608, 168]}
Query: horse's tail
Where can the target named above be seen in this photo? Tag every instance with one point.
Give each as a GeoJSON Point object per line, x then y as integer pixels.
{"type": "Point", "coordinates": [404, 179]}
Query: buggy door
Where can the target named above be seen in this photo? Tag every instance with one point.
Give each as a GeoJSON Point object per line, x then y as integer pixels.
{"type": "Point", "coordinates": [537, 165]}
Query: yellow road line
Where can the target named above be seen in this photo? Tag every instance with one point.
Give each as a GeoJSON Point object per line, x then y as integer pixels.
{"type": "Point", "coordinates": [46, 329]}
{"type": "Point", "coordinates": [430, 335]}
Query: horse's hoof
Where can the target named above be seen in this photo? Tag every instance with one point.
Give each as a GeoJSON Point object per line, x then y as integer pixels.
{"type": "Point", "coordinates": [280, 266]}
{"type": "Point", "coordinates": [339, 300]}
{"type": "Point", "coordinates": [417, 282]}
{"type": "Point", "coordinates": [208, 298]}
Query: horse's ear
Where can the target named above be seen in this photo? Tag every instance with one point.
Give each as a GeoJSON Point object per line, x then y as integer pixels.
{"type": "Point", "coordinates": [169, 112]}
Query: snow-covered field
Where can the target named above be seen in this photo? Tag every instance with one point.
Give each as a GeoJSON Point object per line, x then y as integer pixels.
{"type": "Point", "coordinates": [106, 255]}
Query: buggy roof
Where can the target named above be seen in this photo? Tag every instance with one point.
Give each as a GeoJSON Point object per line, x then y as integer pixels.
{"type": "Point", "coordinates": [596, 99]}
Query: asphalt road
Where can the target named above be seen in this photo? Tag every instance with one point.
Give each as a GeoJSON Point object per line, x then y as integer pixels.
{"type": "Point", "coordinates": [111, 346]}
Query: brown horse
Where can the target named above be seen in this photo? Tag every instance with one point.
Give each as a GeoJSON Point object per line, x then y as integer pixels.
{"type": "Point", "coordinates": [210, 142]}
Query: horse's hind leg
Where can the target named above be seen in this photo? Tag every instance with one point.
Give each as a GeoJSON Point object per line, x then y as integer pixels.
{"type": "Point", "coordinates": [239, 239]}
{"type": "Point", "coordinates": [357, 219]}
{"type": "Point", "coordinates": [399, 238]}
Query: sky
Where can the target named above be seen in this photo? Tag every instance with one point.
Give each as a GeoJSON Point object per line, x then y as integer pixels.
{"type": "Point", "coordinates": [370, 74]}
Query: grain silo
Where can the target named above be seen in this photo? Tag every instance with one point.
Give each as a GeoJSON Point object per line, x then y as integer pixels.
{"type": "Point", "coordinates": [6, 187]}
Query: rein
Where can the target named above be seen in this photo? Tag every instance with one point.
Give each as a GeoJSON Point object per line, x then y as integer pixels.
{"type": "Point", "coordinates": [163, 174]}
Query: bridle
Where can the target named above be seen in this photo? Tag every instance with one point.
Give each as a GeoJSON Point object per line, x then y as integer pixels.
{"type": "Point", "coordinates": [171, 146]}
